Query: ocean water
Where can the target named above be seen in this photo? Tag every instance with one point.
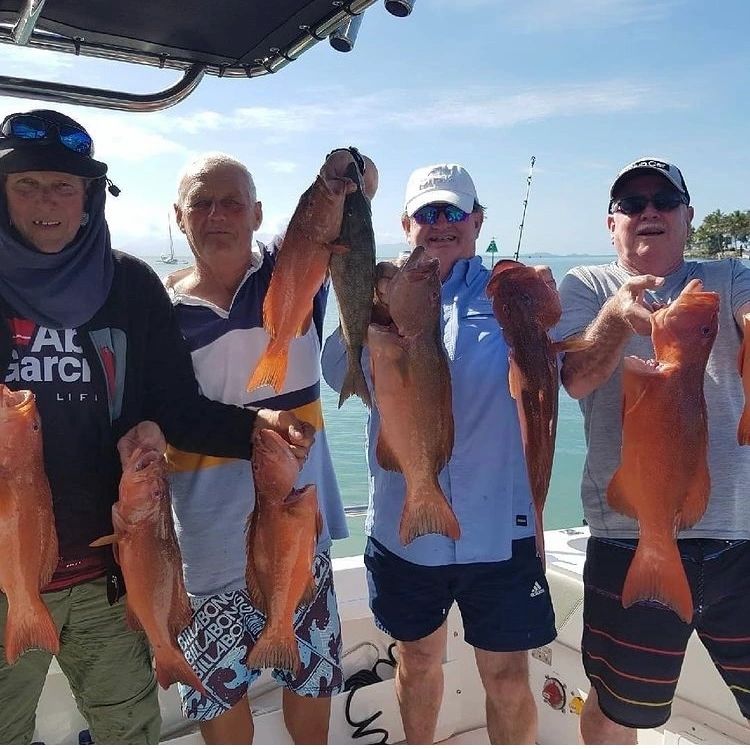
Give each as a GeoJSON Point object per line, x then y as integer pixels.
{"type": "Point", "coordinates": [346, 432]}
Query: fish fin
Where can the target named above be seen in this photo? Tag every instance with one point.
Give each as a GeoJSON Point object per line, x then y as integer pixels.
{"type": "Point", "coordinates": [577, 343]}
{"type": "Point", "coordinates": [171, 667]}
{"type": "Point", "coordinates": [515, 378]}
{"type": "Point", "coordinates": [617, 496]}
{"type": "Point", "coordinates": [741, 353]}
{"type": "Point", "coordinates": [275, 651]}
{"type": "Point", "coordinates": [355, 383]}
{"type": "Point", "coordinates": [656, 574]}
{"type": "Point", "coordinates": [386, 457]}
{"type": "Point", "coordinates": [254, 591]}
{"type": "Point", "coordinates": [318, 525]}
{"type": "Point", "coordinates": [106, 540]}
{"type": "Point", "coordinates": [271, 368]}
{"type": "Point", "coordinates": [696, 499]}
{"type": "Point", "coordinates": [425, 515]}
{"type": "Point", "coordinates": [446, 439]}
{"type": "Point", "coordinates": [304, 326]}
{"type": "Point", "coordinates": [29, 626]}
{"type": "Point", "coordinates": [181, 613]}
{"type": "Point", "coordinates": [338, 249]}
{"type": "Point", "coordinates": [539, 532]}
{"type": "Point", "coordinates": [743, 428]}
{"type": "Point", "coordinates": [308, 595]}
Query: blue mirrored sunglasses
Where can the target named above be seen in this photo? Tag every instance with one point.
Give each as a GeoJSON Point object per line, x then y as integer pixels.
{"type": "Point", "coordinates": [429, 214]}
{"type": "Point", "coordinates": [31, 127]}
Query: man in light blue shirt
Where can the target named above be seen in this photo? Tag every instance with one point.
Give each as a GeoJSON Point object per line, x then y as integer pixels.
{"type": "Point", "coordinates": [492, 571]}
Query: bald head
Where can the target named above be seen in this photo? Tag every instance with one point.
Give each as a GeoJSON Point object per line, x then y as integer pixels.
{"type": "Point", "coordinates": [205, 165]}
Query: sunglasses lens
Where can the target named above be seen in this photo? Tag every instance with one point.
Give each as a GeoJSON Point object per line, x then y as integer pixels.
{"type": "Point", "coordinates": [631, 205]}
{"type": "Point", "coordinates": [28, 128]}
{"type": "Point", "coordinates": [426, 215]}
{"type": "Point", "coordinates": [75, 140]}
{"type": "Point", "coordinates": [666, 202]}
{"type": "Point", "coordinates": [454, 214]}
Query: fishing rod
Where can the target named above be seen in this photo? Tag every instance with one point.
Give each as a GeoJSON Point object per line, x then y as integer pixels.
{"type": "Point", "coordinates": [525, 203]}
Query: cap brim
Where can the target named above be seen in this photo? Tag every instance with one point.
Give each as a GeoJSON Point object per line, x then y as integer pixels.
{"type": "Point", "coordinates": [460, 200]}
{"type": "Point", "coordinates": [49, 158]}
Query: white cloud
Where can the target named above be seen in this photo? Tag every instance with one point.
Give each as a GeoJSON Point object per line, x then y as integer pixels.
{"type": "Point", "coordinates": [282, 167]}
{"type": "Point", "coordinates": [25, 62]}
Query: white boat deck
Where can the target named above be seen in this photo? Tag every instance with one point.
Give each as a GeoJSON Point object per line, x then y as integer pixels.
{"type": "Point", "coordinates": [704, 710]}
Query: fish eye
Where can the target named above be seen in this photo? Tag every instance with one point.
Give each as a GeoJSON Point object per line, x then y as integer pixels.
{"type": "Point", "coordinates": [526, 298]}
{"type": "Point", "coordinates": [35, 426]}
{"type": "Point", "coordinates": [705, 330]}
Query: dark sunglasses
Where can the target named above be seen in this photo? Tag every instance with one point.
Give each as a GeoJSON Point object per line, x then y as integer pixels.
{"type": "Point", "coordinates": [31, 127]}
{"type": "Point", "coordinates": [632, 204]}
{"type": "Point", "coordinates": [429, 214]}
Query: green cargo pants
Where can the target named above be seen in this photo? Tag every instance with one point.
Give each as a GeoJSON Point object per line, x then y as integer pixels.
{"type": "Point", "coordinates": [107, 665]}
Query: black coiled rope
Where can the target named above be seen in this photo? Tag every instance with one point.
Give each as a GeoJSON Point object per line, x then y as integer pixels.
{"type": "Point", "coordinates": [364, 678]}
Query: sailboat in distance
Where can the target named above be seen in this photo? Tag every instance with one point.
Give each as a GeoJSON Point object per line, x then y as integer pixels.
{"type": "Point", "coordinates": [169, 258]}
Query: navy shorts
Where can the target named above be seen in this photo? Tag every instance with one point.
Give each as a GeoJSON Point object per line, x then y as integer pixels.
{"type": "Point", "coordinates": [505, 606]}
{"type": "Point", "coordinates": [633, 656]}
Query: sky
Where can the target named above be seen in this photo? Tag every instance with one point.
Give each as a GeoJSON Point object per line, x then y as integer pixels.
{"type": "Point", "coordinates": [585, 86]}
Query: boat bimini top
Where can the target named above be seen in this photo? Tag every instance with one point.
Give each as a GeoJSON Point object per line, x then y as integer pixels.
{"type": "Point", "coordinates": [229, 38]}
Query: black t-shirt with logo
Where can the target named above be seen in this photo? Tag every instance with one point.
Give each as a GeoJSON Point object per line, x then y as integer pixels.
{"type": "Point", "coordinates": [70, 396]}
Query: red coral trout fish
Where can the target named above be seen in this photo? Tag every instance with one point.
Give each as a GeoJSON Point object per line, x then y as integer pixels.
{"type": "Point", "coordinates": [663, 479]}
{"type": "Point", "coordinates": [526, 305]}
{"type": "Point", "coordinates": [27, 527]}
{"type": "Point", "coordinates": [145, 546]}
{"type": "Point", "coordinates": [300, 270]}
{"type": "Point", "coordinates": [281, 538]}
{"type": "Point", "coordinates": [743, 429]}
{"type": "Point", "coordinates": [413, 392]}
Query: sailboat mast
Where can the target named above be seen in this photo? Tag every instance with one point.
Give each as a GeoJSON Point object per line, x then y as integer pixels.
{"type": "Point", "coordinates": [171, 243]}
{"type": "Point", "coordinates": [525, 204]}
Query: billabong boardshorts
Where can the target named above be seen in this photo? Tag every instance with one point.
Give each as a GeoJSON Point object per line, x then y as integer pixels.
{"type": "Point", "coordinates": [505, 606]}
{"type": "Point", "coordinates": [227, 625]}
{"type": "Point", "coordinates": [633, 656]}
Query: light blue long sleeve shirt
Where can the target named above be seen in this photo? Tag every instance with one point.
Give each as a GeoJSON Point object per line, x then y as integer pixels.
{"type": "Point", "coordinates": [485, 480]}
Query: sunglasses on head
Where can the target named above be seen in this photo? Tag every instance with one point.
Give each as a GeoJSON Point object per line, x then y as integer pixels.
{"type": "Point", "coordinates": [429, 214]}
{"type": "Point", "coordinates": [32, 127]}
{"type": "Point", "coordinates": [632, 204]}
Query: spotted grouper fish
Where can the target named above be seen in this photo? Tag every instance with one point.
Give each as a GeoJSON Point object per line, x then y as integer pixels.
{"type": "Point", "coordinates": [145, 546]}
{"type": "Point", "coordinates": [663, 479]}
{"type": "Point", "coordinates": [353, 278]}
{"type": "Point", "coordinates": [300, 269]}
{"type": "Point", "coordinates": [27, 527]}
{"type": "Point", "coordinates": [743, 428]}
{"type": "Point", "coordinates": [526, 305]}
{"type": "Point", "coordinates": [413, 392]}
{"type": "Point", "coordinates": [282, 536]}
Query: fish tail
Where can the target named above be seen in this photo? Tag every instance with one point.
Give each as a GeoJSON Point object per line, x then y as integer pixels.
{"type": "Point", "coordinates": [355, 383]}
{"type": "Point", "coordinates": [29, 626]}
{"type": "Point", "coordinates": [271, 369]}
{"type": "Point", "coordinates": [427, 515]}
{"type": "Point", "coordinates": [171, 666]}
{"type": "Point", "coordinates": [743, 430]}
{"type": "Point", "coordinates": [656, 574]}
{"type": "Point", "coordinates": [274, 650]}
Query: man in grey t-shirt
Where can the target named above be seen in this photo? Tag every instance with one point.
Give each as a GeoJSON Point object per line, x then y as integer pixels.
{"type": "Point", "coordinates": [633, 656]}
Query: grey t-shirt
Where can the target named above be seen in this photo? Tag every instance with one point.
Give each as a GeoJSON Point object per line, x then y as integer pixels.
{"type": "Point", "coordinates": [583, 291]}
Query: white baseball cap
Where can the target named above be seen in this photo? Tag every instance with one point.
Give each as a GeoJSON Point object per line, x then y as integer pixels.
{"type": "Point", "coordinates": [441, 183]}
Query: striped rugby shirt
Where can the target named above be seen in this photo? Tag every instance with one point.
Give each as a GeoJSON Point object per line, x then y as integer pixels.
{"type": "Point", "coordinates": [212, 497]}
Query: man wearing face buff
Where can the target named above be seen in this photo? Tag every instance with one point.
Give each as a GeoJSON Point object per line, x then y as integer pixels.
{"type": "Point", "coordinates": [633, 655]}
{"type": "Point", "coordinates": [492, 570]}
{"type": "Point", "coordinates": [92, 333]}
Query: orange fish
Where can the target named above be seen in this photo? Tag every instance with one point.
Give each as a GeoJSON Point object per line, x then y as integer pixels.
{"type": "Point", "coordinates": [27, 527]}
{"type": "Point", "coordinates": [146, 549]}
{"type": "Point", "coordinates": [743, 429]}
{"type": "Point", "coordinates": [301, 267]}
{"type": "Point", "coordinates": [281, 539]}
{"type": "Point", "coordinates": [663, 479]}
{"type": "Point", "coordinates": [413, 391]}
{"type": "Point", "coordinates": [526, 304]}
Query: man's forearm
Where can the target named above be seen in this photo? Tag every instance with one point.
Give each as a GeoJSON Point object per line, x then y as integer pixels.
{"type": "Point", "coordinates": [584, 371]}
